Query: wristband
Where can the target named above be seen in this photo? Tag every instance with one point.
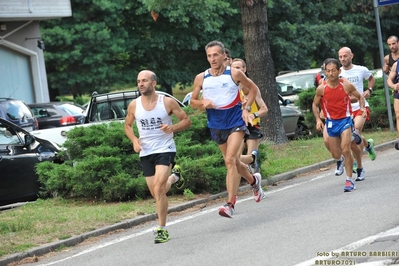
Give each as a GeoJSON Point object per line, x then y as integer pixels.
{"type": "Point", "coordinates": [370, 89]}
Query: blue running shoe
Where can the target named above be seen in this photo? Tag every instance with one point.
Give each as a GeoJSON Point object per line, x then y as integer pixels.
{"type": "Point", "coordinates": [349, 186]}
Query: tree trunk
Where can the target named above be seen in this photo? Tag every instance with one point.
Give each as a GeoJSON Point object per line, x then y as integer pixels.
{"type": "Point", "coordinates": [260, 66]}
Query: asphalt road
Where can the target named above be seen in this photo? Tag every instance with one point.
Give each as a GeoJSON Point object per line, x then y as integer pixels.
{"type": "Point", "coordinates": [306, 220]}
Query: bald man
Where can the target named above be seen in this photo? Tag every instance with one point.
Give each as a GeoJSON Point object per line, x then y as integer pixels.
{"type": "Point", "coordinates": [356, 74]}
{"type": "Point", "coordinates": [156, 145]}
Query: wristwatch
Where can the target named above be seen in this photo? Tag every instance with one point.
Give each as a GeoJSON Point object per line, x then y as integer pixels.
{"type": "Point", "coordinates": [256, 115]}
{"type": "Point", "coordinates": [248, 108]}
{"type": "Point", "coordinates": [371, 90]}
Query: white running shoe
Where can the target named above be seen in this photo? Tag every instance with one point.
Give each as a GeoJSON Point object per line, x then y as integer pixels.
{"type": "Point", "coordinates": [257, 188]}
{"type": "Point", "coordinates": [226, 210]}
{"type": "Point", "coordinates": [340, 166]}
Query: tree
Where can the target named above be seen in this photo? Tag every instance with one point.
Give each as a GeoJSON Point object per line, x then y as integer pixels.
{"type": "Point", "coordinates": [260, 64]}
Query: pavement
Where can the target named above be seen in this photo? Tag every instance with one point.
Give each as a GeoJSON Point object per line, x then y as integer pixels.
{"type": "Point", "coordinates": [381, 243]}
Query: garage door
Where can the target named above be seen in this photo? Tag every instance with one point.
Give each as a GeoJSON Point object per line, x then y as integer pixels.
{"type": "Point", "coordinates": [15, 76]}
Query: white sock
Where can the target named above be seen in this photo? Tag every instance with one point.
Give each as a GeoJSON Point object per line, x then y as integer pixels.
{"type": "Point", "coordinates": [176, 177]}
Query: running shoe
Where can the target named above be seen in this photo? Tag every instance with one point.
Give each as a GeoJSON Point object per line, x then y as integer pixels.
{"type": "Point", "coordinates": [340, 166]}
{"type": "Point", "coordinates": [257, 188]}
{"type": "Point", "coordinates": [349, 186]}
{"type": "Point", "coordinates": [178, 172]}
{"type": "Point", "coordinates": [162, 235]}
{"type": "Point", "coordinates": [254, 166]}
{"type": "Point", "coordinates": [360, 174]}
{"type": "Point", "coordinates": [397, 145]}
{"type": "Point", "coordinates": [227, 210]}
{"type": "Point", "coordinates": [354, 167]}
{"type": "Point", "coordinates": [371, 150]}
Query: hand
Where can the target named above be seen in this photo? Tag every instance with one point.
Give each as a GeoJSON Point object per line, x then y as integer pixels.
{"type": "Point", "coordinates": [319, 125]}
{"type": "Point", "coordinates": [137, 145]}
{"type": "Point", "coordinates": [166, 128]}
{"type": "Point", "coordinates": [208, 104]}
{"type": "Point", "coordinates": [246, 116]}
{"type": "Point", "coordinates": [366, 94]}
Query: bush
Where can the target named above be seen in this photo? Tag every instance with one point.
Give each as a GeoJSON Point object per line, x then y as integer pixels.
{"type": "Point", "coordinates": [101, 163]}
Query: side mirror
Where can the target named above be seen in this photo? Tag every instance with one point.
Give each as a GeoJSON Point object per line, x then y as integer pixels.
{"type": "Point", "coordinates": [287, 101]}
{"type": "Point", "coordinates": [29, 139]}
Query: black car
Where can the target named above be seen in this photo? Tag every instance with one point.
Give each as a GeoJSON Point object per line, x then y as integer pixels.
{"type": "Point", "coordinates": [57, 114]}
{"type": "Point", "coordinates": [19, 113]}
{"type": "Point", "coordinates": [19, 153]}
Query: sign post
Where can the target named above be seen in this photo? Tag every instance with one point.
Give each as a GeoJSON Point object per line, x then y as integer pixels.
{"type": "Point", "coordinates": [384, 76]}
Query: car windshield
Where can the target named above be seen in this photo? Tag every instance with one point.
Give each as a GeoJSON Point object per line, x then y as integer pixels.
{"type": "Point", "coordinates": [72, 109]}
{"type": "Point", "coordinates": [303, 81]}
{"type": "Point", "coordinates": [16, 110]}
{"type": "Point", "coordinates": [286, 89]}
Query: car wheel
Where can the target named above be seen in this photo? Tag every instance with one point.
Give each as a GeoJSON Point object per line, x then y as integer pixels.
{"type": "Point", "coordinates": [301, 130]}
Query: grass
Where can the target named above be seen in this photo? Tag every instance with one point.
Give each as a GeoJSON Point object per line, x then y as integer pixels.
{"type": "Point", "coordinates": [46, 221]}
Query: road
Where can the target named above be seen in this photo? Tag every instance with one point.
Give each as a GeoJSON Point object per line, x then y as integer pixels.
{"type": "Point", "coordinates": [302, 221]}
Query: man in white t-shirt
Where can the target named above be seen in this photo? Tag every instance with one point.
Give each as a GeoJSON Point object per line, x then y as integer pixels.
{"type": "Point", "coordinates": [357, 74]}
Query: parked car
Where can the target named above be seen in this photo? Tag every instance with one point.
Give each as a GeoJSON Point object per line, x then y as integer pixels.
{"type": "Point", "coordinates": [296, 81]}
{"type": "Point", "coordinates": [293, 119]}
{"type": "Point", "coordinates": [57, 114]}
{"type": "Point", "coordinates": [19, 153]}
{"type": "Point", "coordinates": [18, 113]}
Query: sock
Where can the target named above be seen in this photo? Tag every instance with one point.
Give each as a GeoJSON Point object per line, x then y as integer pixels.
{"type": "Point", "coordinates": [177, 177]}
{"type": "Point", "coordinates": [253, 183]}
{"type": "Point", "coordinates": [368, 145]}
{"type": "Point", "coordinates": [162, 227]}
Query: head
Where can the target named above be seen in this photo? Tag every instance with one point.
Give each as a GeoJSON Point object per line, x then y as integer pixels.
{"type": "Point", "coordinates": [345, 56]}
{"type": "Point", "coordinates": [332, 69]}
{"type": "Point", "coordinates": [393, 43]}
{"type": "Point", "coordinates": [239, 64]}
{"type": "Point", "coordinates": [228, 60]}
{"type": "Point", "coordinates": [146, 82]}
{"type": "Point", "coordinates": [215, 53]}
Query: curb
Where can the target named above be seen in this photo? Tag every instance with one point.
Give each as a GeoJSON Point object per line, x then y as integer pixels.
{"type": "Point", "coordinates": [44, 249]}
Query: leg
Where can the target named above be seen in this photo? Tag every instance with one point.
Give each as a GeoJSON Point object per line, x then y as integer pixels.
{"type": "Point", "coordinates": [159, 185]}
{"type": "Point", "coordinates": [230, 155]}
{"type": "Point", "coordinates": [396, 108]}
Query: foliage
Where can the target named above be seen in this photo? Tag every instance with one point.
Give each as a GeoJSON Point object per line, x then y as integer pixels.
{"type": "Point", "coordinates": [101, 164]}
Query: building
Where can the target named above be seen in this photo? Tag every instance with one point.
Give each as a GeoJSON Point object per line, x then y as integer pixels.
{"type": "Point", "coordinates": [22, 67]}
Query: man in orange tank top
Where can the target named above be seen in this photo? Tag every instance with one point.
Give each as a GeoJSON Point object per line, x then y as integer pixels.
{"type": "Point", "coordinates": [334, 96]}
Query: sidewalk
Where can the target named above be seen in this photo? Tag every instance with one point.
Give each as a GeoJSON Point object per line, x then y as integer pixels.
{"type": "Point", "coordinates": [391, 243]}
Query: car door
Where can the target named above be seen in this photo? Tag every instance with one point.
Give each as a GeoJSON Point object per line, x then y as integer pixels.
{"type": "Point", "coordinates": [18, 180]}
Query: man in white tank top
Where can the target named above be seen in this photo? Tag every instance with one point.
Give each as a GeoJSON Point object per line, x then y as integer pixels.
{"type": "Point", "coordinates": [227, 120]}
{"type": "Point", "coordinates": [357, 74]}
{"type": "Point", "coordinates": [152, 113]}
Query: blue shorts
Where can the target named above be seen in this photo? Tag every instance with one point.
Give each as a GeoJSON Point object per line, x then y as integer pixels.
{"type": "Point", "coordinates": [220, 136]}
{"type": "Point", "coordinates": [336, 127]}
{"type": "Point", "coordinates": [149, 162]}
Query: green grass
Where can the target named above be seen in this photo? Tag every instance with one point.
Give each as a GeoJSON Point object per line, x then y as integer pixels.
{"type": "Point", "coordinates": [46, 221]}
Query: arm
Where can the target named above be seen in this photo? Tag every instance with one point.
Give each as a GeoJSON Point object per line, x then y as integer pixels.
{"type": "Point", "coordinates": [371, 84]}
{"type": "Point", "coordinates": [173, 107]}
{"type": "Point", "coordinates": [240, 78]}
{"type": "Point", "coordinates": [392, 77]}
{"type": "Point", "coordinates": [197, 87]}
{"type": "Point", "coordinates": [385, 67]}
{"type": "Point", "coordinates": [315, 107]}
{"type": "Point", "coordinates": [129, 120]}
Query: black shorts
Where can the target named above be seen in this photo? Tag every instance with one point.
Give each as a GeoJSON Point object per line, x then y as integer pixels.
{"type": "Point", "coordinates": [396, 94]}
{"type": "Point", "coordinates": [149, 162]}
{"type": "Point", "coordinates": [220, 136]}
{"type": "Point", "coordinates": [254, 132]}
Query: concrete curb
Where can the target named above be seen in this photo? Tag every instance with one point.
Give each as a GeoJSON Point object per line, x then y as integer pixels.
{"type": "Point", "coordinates": [39, 251]}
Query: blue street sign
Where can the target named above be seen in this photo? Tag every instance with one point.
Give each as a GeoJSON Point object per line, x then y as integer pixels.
{"type": "Point", "coordinates": [387, 2]}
